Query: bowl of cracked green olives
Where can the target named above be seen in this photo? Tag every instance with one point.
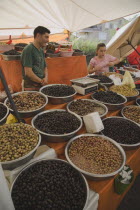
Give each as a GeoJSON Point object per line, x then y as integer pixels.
{"type": "Point", "coordinates": [28, 103]}
{"type": "Point", "coordinates": [131, 112]}
{"type": "Point", "coordinates": [125, 90]}
{"type": "Point", "coordinates": [18, 144]}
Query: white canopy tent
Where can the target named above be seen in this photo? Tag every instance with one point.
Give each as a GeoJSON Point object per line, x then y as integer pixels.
{"type": "Point", "coordinates": [125, 40]}
{"type": "Point", "coordinates": [72, 15]}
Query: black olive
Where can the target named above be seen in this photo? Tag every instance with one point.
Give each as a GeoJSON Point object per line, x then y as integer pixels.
{"type": "Point", "coordinates": [108, 97]}
{"type": "Point", "coordinates": [57, 122]}
{"type": "Point", "coordinates": [3, 111]}
{"type": "Point", "coordinates": [102, 78]}
{"type": "Point", "coordinates": [121, 130]}
{"type": "Point", "coordinates": [69, 193]}
{"type": "Point", "coordinates": [58, 90]}
{"type": "Point", "coordinates": [11, 52]}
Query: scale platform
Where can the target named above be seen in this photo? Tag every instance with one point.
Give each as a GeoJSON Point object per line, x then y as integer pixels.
{"type": "Point", "coordinates": [85, 90]}
{"type": "Point", "coordinates": [84, 82]}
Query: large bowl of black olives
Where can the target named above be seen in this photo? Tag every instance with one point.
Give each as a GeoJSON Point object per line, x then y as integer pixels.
{"type": "Point", "coordinates": [57, 125]}
{"type": "Point", "coordinates": [112, 100]}
{"type": "Point", "coordinates": [103, 79]}
{"type": "Point", "coordinates": [50, 184]}
{"type": "Point", "coordinates": [58, 93]}
{"type": "Point", "coordinates": [124, 131]}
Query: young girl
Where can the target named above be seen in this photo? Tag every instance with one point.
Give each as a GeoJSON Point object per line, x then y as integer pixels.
{"type": "Point", "coordinates": [102, 61]}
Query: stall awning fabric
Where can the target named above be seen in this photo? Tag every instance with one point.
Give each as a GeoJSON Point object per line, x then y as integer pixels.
{"type": "Point", "coordinates": [119, 45]}
{"type": "Point", "coordinates": [72, 15]}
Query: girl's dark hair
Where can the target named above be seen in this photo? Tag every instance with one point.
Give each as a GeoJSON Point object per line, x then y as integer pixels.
{"type": "Point", "coordinates": [41, 30]}
{"type": "Point", "coordinates": [100, 45]}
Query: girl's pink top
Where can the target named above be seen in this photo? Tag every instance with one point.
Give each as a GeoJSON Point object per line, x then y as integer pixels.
{"type": "Point", "coordinates": [102, 63]}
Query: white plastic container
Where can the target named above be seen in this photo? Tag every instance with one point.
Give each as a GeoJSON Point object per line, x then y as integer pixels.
{"type": "Point", "coordinates": [66, 53]}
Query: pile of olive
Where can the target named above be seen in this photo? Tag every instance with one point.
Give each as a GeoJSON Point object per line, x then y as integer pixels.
{"type": "Point", "coordinates": [16, 140]}
{"type": "Point", "coordinates": [94, 154]}
{"type": "Point", "coordinates": [132, 113]}
{"type": "Point", "coordinates": [28, 101]}
{"type": "Point", "coordinates": [57, 122]}
{"type": "Point", "coordinates": [50, 184]}
{"type": "Point", "coordinates": [3, 111]}
{"type": "Point", "coordinates": [102, 78]}
{"type": "Point", "coordinates": [84, 107]}
{"type": "Point", "coordinates": [11, 52]}
{"type": "Point", "coordinates": [58, 90]}
{"type": "Point", "coordinates": [121, 130]}
{"type": "Point", "coordinates": [108, 97]}
{"type": "Point", "coordinates": [125, 90]}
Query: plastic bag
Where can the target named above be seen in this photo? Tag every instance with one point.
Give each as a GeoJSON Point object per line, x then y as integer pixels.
{"type": "Point", "coordinates": [5, 197]}
{"type": "Point", "coordinates": [11, 119]}
{"type": "Point", "coordinates": [128, 80]}
{"type": "Point", "coordinates": [116, 80]}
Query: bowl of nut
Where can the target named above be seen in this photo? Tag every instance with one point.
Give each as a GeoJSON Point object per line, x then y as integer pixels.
{"type": "Point", "coordinates": [28, 103]}
{"type": "Point", "coordinates": [46, 179]}
{"type": "Point", "coordinates": [18, 144]}
{"type": "Point", "coordinates": [3, 113]}
{"type": "Point", "coordinates": [96, 156]}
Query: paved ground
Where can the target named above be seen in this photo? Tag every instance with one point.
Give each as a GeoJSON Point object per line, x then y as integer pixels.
{"type": "Point", "coordinates": [131, 200]}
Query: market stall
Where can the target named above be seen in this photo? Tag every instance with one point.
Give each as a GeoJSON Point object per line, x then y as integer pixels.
{"type": "Point", "coordinates": [51, 123]}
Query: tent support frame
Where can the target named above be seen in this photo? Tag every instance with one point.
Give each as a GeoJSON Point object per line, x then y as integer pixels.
{"type": "Point", "coordinates": [129, 43]}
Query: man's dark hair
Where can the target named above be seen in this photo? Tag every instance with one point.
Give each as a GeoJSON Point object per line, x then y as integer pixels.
{"type": "Point", "coordinates": [41, 30]}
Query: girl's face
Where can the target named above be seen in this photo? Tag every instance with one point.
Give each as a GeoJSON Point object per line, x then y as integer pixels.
{"type": "Point", "coordinates": [101, 52]}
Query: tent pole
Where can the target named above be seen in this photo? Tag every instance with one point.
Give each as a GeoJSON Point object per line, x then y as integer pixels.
{"type": "Point", "coordinates": [133, 47]}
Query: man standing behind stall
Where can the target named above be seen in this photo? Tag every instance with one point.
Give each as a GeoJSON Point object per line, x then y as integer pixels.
{"type": "Point", "coordinates": [35, 72]}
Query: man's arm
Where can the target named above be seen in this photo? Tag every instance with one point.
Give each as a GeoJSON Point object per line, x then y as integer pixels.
{"type": "Point", "coordinates": [46, 76]}
{"type": "Point", "coordinates": [29, 73]}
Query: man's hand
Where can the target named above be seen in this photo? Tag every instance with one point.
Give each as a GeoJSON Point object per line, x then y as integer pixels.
{"type": "Point", "coordinates": [45, 81]}
{"type": "Point", "coordinates": [32, 76]}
